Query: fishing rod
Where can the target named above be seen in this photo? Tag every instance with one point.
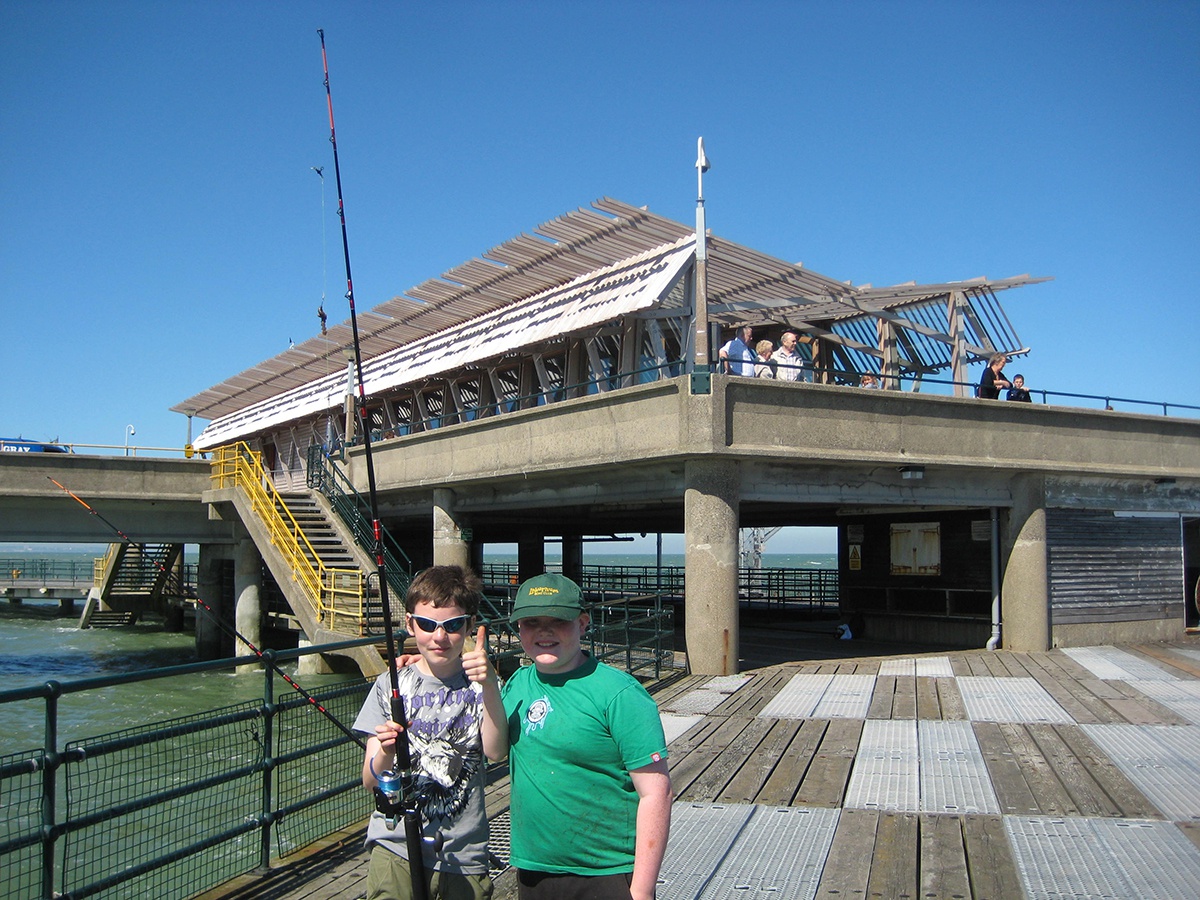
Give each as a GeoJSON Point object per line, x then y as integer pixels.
{"type": "Point", "coordinates": [223, 625]}
{"type": "Point", "coordinates": [405, 798]}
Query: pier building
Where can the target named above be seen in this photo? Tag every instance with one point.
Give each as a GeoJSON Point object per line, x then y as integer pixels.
{"type": "Point", "coordinates": [566, 385]}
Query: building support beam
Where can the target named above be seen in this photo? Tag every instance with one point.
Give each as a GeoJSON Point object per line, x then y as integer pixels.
{"type": "Point", "coordinates": [449, 548]}
{"type": "Point", "coordinates": [1025, 590]}
{"type": "Point", "coordinates": [710, 513]}
{"type": "Point", "coordinates": [210, 639]}
{"type": "Point", "coordinates": [247, 589]}
{"type": "Point", "coordinates": [572, 557]}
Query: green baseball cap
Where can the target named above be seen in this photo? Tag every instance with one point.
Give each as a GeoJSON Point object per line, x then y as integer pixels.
{"type": "Point", "coordinates": [550, 595]}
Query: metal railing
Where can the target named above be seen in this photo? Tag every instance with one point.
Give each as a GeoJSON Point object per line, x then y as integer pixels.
{"type": "Point", "coordinates": [808, 589]}
{"type": "Point", "coordinates": [44, 571]}
{"type": "Point", "coordinates": [334, 593]}
{"type": "Point", "coordinates": [355, 511]}
{"type": "Point", "coordinates": [174, 808]}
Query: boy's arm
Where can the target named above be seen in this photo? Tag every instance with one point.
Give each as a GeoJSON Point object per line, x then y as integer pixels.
{"type": "Point", "coordinates": [493, 730]}
{"type": "Point", "coordinates": [653, 786]}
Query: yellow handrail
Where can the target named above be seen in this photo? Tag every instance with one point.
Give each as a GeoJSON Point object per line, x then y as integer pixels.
{"type": "Point", "coordinates": [333, 592]}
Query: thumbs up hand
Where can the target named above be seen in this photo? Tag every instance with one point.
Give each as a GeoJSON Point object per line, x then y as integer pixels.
{"type": "Point", "coordinates": [475, 660]}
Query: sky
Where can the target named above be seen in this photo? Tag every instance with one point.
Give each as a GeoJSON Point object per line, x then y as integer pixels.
{"type": "Point", "coordinates": [163, 228]}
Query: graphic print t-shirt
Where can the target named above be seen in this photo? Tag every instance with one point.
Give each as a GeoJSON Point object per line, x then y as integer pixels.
{"type": "Point", "coordinates": [448, 756]}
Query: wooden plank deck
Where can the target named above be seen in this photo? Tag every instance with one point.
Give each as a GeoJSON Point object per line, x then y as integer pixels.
{"type": "Point", "coordinates": [734, 755]}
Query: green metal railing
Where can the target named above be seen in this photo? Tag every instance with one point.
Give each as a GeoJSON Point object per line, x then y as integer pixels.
{"type": "Point", "coordinates": [174, 808]}
{"type": "Point", "coordinates": [777, 588]}
{"type": "Point", "coordinates": [355, 511]}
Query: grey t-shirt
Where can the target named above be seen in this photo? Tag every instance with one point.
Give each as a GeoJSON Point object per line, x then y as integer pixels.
{"type": "Point", "coordinates": [447, 754]}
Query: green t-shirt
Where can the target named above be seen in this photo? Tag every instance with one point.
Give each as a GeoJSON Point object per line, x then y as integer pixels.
{"type": "Point", "coordinates": [573, 739]}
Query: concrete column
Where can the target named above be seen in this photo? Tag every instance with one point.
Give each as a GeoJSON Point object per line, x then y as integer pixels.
{"type": "Point", "coordinates": [531, 555]}
{"type": "Point", "coordinates": [572, 557]}
{"type": "Point", "coordinates": [1025, 584]}
{"type": "Point", "coordinates": [710, 522]}
{"type": "Point", "coordinates": [449, 549]}
{"type": "Point", "coordinates": [211, 642]}
{"type": "Point", "coordinates": [247, 591]}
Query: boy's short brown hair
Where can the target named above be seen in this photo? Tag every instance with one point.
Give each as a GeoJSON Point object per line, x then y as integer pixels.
{"type": "Point", "coordinates": [445, 586]}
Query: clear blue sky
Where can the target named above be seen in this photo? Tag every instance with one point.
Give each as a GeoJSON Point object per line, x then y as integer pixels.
{"type": "Point", "coordinates": [162, 225]}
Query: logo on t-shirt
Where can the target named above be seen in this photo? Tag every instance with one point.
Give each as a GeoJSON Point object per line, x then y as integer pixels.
{"type": "Point", "coordinates": [536, 716]}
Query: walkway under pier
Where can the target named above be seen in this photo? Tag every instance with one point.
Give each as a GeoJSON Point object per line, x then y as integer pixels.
{"type": "Point", "coordinates": [962, 774]}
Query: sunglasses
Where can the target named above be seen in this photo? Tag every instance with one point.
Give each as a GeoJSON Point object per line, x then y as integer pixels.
{"type": "Point", "coordinates": [450, 626]}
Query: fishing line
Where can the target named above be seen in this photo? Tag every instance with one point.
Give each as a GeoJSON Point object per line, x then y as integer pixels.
{"type": "Point", "coordinates": [405, 800]}
{"type": "Point", "coordinates": [222, 624]}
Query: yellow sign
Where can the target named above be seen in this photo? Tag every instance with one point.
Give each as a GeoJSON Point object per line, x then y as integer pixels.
{"type": "Point", "coordinates": [856, 556]}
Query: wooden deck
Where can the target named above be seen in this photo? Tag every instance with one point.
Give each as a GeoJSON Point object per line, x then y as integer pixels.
{"type": "Point", "coordinates": [731, 754]}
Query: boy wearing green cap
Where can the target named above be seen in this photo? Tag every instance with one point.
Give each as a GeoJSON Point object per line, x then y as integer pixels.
{"type": "Point", "coordinates": [591, 793]}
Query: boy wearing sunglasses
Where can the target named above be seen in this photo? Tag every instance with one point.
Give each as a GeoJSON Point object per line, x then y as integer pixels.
{"type": "Point", "coordinates": [456, 717]}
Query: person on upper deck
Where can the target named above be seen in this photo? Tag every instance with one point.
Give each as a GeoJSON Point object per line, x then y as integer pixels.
{"type": "Point", "coordinates": [789, 364]}
{"type": "Point", "coordinates": [764, 365]}
{"type": "Point", "coordinates": [1017, 391]}
{"type": "Point", "coordinates": [993, 381]}
{"type": "Point", "coordinates": [736, 356]}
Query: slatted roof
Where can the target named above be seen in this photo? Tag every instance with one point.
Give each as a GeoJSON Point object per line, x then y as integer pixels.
{"type": "Point", "coordinates": [743, 285]}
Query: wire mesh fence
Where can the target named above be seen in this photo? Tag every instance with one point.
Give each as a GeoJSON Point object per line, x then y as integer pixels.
{"type": "Point", "coordinates": [173, 808]}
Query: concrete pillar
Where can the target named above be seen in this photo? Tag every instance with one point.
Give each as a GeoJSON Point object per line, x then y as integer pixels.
{"type": "Point", "coordinates": [211, 642]}
{"type": "Point", "coordinates": [1025, 584]}
{"type": "Point", "coordinates": [449, 549]}
{"type": "Point", "coordinates": [531, 555]}
{"type": "Point", "coordinates": [247, 591]}
{"type": "Point", "coordinates": [312, 663]}
{"type": "Point", "coordinates": [572, 557]}
{"type": "Point", "coordinates": [710, 522]}
{"type": "Point", "coordinates": [475, 549]}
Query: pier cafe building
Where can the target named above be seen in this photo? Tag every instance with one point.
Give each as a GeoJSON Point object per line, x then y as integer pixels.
{"type": "Point", "coordinates": [565, 385]}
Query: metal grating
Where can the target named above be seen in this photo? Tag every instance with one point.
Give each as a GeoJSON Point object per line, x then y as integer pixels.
{"type": "Point", "coordinates": [1103, 858]}
{"type": "Point", "coordinates": [1160, 760]}
{"type": "Point", "coordinates": [701, 837]}
{"type": "Point", "coordinates": [708, 696]}
{"type": "Point", "coordinates": [675, 726]}
{"type": "Point", "coordinates": [1117, 665]}
{"type": "Point", "coordinates": [953, 775]}
{"type": "Point", "coordinates": [990, 699]}
{"type": "Point", "coordinates": [1181, 697]}
{"type": "Point", "coordinates": [822, 697]}
{"type": "Point", "coordinates": [798, 698]}
{"type": "Point", "coordinates": [924, 667]}
{"type": "Point", "coordinates": [885, 774]}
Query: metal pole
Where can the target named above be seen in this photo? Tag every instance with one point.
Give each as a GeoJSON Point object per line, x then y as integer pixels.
{"type": "Point", "coordinates": [701, 362]}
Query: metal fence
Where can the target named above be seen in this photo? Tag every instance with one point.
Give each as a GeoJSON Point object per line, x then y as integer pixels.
{"type": "Point", "coordinates": [768, 588]}
{"type": "Point", "coordinates": [173, 808]}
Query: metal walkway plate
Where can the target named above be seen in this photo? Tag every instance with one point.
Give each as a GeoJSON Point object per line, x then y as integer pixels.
{"type": "Point", "coordinates": [701, 837]}
{"type": "Point", "coordinates": [722, 851]}
{"type": "Point", "coordinates": [798, 698]}
{"type": "Point", "coordinates": [1112, 664]}
{"type": "Point", "coordinates": [822, 697]}
{"type": "Point", "coordinates": [674, 726]}
{"type": "Point", "coordinates": [1181, 697]}
{"type": "Point", "coordinates": [1162, 761]}
{"type": "Point", "coordinates": [953, 776]}
{"type": "Point", "coordinates": [708, 696]}
{"type": "Point", "coordinates": [990, 699]}
{"type": "Point", "coordinates": [1103, 858]}
{"type": "Point", "coordinates": [885, 767]}
{"type": "Point", "coordinates": [925, 667]}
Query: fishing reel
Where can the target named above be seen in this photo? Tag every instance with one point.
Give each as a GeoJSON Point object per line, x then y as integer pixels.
{"type": "Point", "coordinates": [392, 798]}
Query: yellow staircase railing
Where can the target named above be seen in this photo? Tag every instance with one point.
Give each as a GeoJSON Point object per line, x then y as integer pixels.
{"type": "Point", "coordinates": [335, 593]}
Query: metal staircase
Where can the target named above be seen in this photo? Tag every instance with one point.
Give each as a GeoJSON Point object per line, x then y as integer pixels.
{"type": "Point", "coordinates": [131, 580]}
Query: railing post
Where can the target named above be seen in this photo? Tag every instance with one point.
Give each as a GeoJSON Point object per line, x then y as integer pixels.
{"type": "Point", "coordinates": [51, 761]}
{"type": "Point", "coordinates": [268, 775]}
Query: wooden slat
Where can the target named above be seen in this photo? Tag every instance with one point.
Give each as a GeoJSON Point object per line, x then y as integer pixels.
{"type": "Point", "coordinates": [825, 781]}
{"type": "Point", "coordinates": [928, 703]}
{"type": "Point", "coordinates": [749, 780]}
{"type": "Point", "coordinates": [1049, 794]}
{"type": "Point", "coordinates": [943, 860]}
{"type": "Point", "coordinates": [1090, 799]}
{"type": "Point", "coordinates": [990, 864]}
{"type": "Point", "coordinates": [1129, 801]}
{"type": "Point", "coordinates": [712, 781]}
{"type": "Point", "coordinates": [844, 874]}
{"type": "Point", "coordinates": [950, 698]}
{"type": "Point", "coordinates": [782, 783]}
{"type": "Point", "coordinates": [905, 704]}
{"type": "Point", "coordinates": [1008, 781]}
{"type": "Point", "coordinates": [882, 697]}
{"type": "Point", "coordinates": [894, 865]}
